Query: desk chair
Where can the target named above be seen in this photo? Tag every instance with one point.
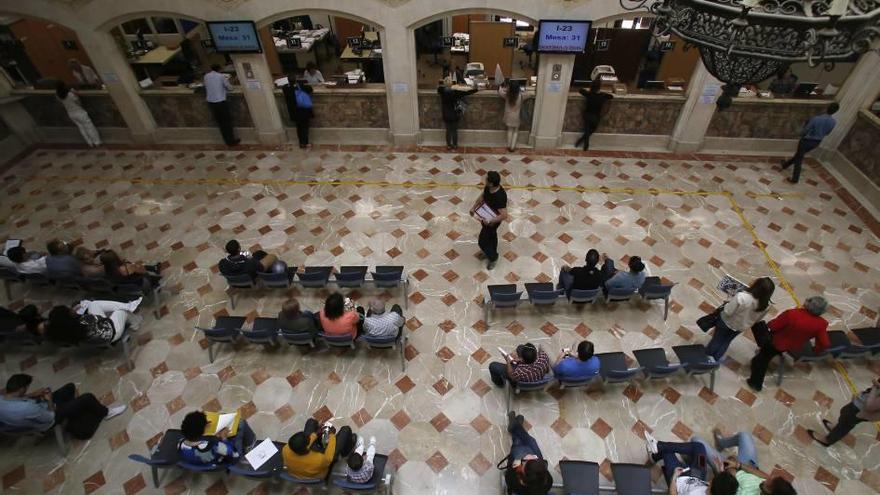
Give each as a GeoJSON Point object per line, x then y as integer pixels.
{"type": "Point", "coordinates": [655, 292]}
{"type": "Point", "coordinates": [579, 477]}
{"type": "Point", "coordinates": [501, 296]}
{"type": "Point", "coordinates": [655, 364]}
{"type": "Point", "coordinates": [695, 361]}
{"type": "Point", "coordinates": [543, 294]}
{"type": "Point", "coordinates": [164, 455]}
{"type": "Point", "coordinates": [613, 368]}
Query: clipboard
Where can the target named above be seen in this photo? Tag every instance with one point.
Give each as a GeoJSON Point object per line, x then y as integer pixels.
{"type": "Point", "coordinates": [486, 213]}
{"type": "Point", "coordinates": [214, 419]}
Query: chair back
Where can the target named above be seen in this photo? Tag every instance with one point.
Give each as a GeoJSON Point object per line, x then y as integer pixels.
{"type": "Point", "coordinates": [379, 342]}
{"type": "Point", "coordinates": [585, 382]}
{"type": "Point", "coordinates": [533, 386]}
{"type": "Point", "coordinates": [379, 463]}
{"type": "Point", "coordinates": [387, 279]}
{"type": "Point", "coordinates": [656, 291]}
{"type": "Point", "coordinates": [274, 280]}
{"type": "Point", "coordinates": [631, 479]}
{"type": "Point", "coordinates": [338, 340]}
{"type": "Point", "coordinates": [506, 300]}
{"type": "Point", "coordinates": [581, 296]}
{"type": "Point", "coordinates": [302, 338]}
{"type": "Point", "coordinates": [350, 276]}
{"type": "Point", "coordinates": [240, 281]}
{"type": "Point", "coordinates": [619, 295]}
{"type": "Point", "coordinates": [10, 274]}
{"type": "Point", "coordinates": [260, 336]}
{"type": "Point", "coordinates": [580, 477]}
{"type": "Point", "coordinates": [545, 297]}
{"type": "Point", "coordinates": [313, 279]}
{"type": "Point", "coordinates": [225, 335]}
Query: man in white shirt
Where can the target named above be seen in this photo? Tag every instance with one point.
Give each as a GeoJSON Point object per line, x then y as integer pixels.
{"type": "Point", "coordinates": [313, 75]}
{"type": "Point", "coordinates": [216, 88]}
{"type": "Point", "coordinates": [24, 262]}
{"type": "Point", "coordinates": [84, 75]}
{"type": "Point", "coordinates": [378, 323]}
{"type": "Point", "coordinates": [689, 478]}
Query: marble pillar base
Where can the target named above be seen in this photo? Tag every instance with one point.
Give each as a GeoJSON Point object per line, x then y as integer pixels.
{"type": "Point", "coordinates": [633, 142]}
{"type": "Point", "coordinates": [72, 135]}
{"type": "Point", "coordinates": [471, 137]}
{"type": "Point", "coordinates": [749, 145]}
{"type": "Point", "coordinates": [200, 135]}
{"type": "Point", "coordinates": [866, 191]}
{"type": "Point", "coordinates": [343, 135]}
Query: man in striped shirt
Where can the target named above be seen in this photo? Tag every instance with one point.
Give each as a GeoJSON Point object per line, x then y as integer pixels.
{"type": "Point", "coordinates": [359, 465]}
{"type": "Point", "coordinates": [379, 323]}
{"type": "Point", "coordinates": [527, 365]}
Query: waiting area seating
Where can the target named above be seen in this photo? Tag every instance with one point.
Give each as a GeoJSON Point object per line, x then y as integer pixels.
{"type": "Point", "coordinates": [166, 455]}
{"type": "Point", "coordinates": [545, 294]}
{"type": "Point", "coordinates": [57, 431]}
{"type": "Point", "coordinates": [582, 478]}
{"type": "Point", "coordinates": [265, 331]}
{"type": "Point", "coordinates": [841, 348]}
{"type": "Point", "coordinates": [319, 277]}
{"type": "Point", "coordinates": [23, 339]}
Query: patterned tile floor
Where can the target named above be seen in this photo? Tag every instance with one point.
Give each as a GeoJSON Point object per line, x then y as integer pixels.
{"type": "Point", "coordinates": [441, 420]}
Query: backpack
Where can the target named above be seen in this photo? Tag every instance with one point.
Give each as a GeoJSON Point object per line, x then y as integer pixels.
{"type": "Point", "coordinates": [303, 100]}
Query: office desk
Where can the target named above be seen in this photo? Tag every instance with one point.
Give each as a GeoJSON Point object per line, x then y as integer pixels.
{"type": "Point", "coordinates": [348, 53]}
{"type": "Point", "coordinates": [160, 55]}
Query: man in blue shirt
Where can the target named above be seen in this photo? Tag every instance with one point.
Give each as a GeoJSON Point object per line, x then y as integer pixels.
{"type": "Point", "coordinates": [624, 281]}
{"type": "Point", "coordinates": [578, 367]}
{"type": "Point", "coordinates": [812, 134]}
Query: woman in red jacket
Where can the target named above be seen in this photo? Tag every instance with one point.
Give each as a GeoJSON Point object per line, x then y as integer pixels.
{"type": "Point", "coordinates": [789, 332]}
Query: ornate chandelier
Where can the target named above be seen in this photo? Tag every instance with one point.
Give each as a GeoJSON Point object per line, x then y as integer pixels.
{"type": "Point", "coordinates": [748, 41]}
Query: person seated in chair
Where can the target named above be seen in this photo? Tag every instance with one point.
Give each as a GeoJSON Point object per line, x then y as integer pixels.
{"type": "Point", "coordinates": [624, 281]}
{"type": "Point", "coordinates": [693, 479]}
{"type": "Point", "coordinates": [359, 464]}
{"type": "Point", "coordinates": [528, 364]}
{"type": "Point", "coordinates": [292, 320]}
{"type": "Point", "coordinates": [220, 448]}
{"type": "Point", "coordinates": [339, 316]}
{"type": "Point", "coordinates": [41, 410]}
{"type": "Point", "coordinates": [89, 263]}
{"type": "Point", "coordinates": [587, 277]}
{"type": "Point", "coordinates": [379, 323]}
{"type": "Point", "coordinates": [577, 367]}
{"type": "Point", "coordinates": [120, 271]}
{"type": "Point", "coordinates": [60, 263]}
{"type": "Point", "coordinates": [25, 263]}
{"type": "Point", "coordinates": [744, 466]}
{"type": "Point", "coordinates": [238, 262]}
{"type": "Point", "coordinates": [91, 320]}
{"type": "Point", "coordinates": [27, 319]}
{"type": "Point", "coordinates": [310, 454]}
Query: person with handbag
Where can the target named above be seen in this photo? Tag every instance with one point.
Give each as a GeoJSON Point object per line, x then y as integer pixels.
{"type": "Point", "coordinates": [789, 332]}
{"type": "Point", "coordinates": [452, 106]}
{"type": "Point", "coordinates": [525, 470]}
{"type": "Point", "coordinates": [737, 315]}
{"type": "Point", "coordinates": [864, 407]}
{"type": "Point", "coordinates": [299, 105]}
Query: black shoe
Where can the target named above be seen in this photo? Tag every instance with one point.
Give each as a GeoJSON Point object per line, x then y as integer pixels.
{"type": "Point", "coordinates": [753, 386]}
{"type": "Point", "coordinates": [784, 164]}
{"type": "Point", "coordinates": [511, 421]}
{"type": "Point", "coordinates": [828, 425]}
{"type": "Point", "coordinates": [791, 181]}
{"type": "Point", "coordinates": [235, 142]}
{"type": "Point", "coordinates": [820, 442]}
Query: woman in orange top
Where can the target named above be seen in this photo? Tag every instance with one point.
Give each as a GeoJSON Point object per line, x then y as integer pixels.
{"type": "Point", "coordinates": [336, 320]}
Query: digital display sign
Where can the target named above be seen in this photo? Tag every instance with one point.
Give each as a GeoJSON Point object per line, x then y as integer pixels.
{"type": "Point", "coordinates": [235, 37]}
{"type": "Point", "coordinates": [563, 36]}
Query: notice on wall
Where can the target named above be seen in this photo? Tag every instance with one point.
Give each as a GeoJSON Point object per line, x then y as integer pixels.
{"type": "Point", "coordinates": [254, 85]}
{"type": "Point", "coordinates": [554, 87]}
{"type": "Point", "coordinates": [710, 92]}
{"type": "Point", "coordinates": [110, 77]}
{"type": "Point", "coordinates": [400, 87]}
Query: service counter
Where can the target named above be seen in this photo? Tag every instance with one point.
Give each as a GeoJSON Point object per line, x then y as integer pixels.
{"type": "Point", "coordinates": [183, 107]}
{"type": "Point", "coordinates": [646, 114]}
{"type": "Point", "coordinates": [485, 111]}
{"type": "Point", "coordinates": [764, 118]}
{"type": "Point", "coordinates": [47, 111]}
{"type": "Point", "coordinates": [860, 145]}
{"type": "Point", "coordinates": [360, 107]}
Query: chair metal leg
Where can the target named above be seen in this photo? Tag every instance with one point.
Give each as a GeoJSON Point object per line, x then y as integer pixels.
{"type": "Point", "coordinates": [403, 355]}
{"type": "Point", "coordinates": [486, 310]}
{"type": "Point", "coordinates": [232, 298]}
{"type": "Point", "coordinates": [210, 352]}
{"type": "Point", "coordinates": [155, 471]}
{"type": "Point", "coordinates": [406, 293]}
{"type": "Point", "coordinates": [712, 381]}
{"type": "Point", "coordinates": [126, 351]}
{"type": "Point", "coordinates": [508, 386]}
{"type": "Point", "coordinates": [665, 308]}
{"type": "Point", "coordinates": [780, 370]}
{"type": "Point", "coordinates": [59, 439]}
{"type": "Point", "coordinates": [8, 285]}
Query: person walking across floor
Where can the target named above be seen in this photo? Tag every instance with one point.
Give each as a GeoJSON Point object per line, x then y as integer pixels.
{"type": "Point", "coordinates": [594, 109]}
{"type": "Point", "coordinates": [493, 202]}
{"type": "Point", "coordinates": [743, 310]}
{"type": "Point", "coordinates": [299, 105]}
{"type": "Point", "coordinates": [70, 100]}
{"type": "Point", "coordinates": [452, 106]}
{"type": "Point", "coordinates": [864, 407]}
{"type": "Point", "coordinates": [513, 101]}
{"type": "Point", "coordinates": [216, 88]}
{"type": "Point", "coordinates": [789, 332]}
{"type": "Point", "coordinates": [811, 136]}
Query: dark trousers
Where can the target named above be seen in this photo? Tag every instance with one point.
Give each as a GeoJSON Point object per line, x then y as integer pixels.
{"type": "Point", "coordinates": [83, 414]}
{"type": "Point", "coordinates": [302, 132]}
{"type": "Point", "coordinates": [721, 340]}
{"type": "Point", "coordinates": [488, 241]}
{"type": "Point", "coordinates": [498, 371]}
{"type": "Point", "coordinates": [694, 452]}
{"type": "Point", "coordinates": [760, 363]}
{"type": "Point", "coordinates": [451, 133]}
{"type": "Point", "coordinates": [223, 117]}
{"type": "Point", "coordinates": [591, 123]}
{"type": "Point", "coordinates": [804, 147]}
{"type": "Point", "coordinates": [523, 444]}
{"type": "Point", "coordinates": [845, 423]}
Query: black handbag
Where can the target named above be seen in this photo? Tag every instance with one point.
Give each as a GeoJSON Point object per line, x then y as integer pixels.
{"type": "Point", "coordinates": [708, 322]}
{"type": "Point", "coordinates": [761, 332]}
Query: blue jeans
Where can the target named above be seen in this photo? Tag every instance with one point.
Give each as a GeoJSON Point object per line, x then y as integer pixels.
{"type": "Point", "coordinates": [746, 453]}
{"type": "Point", "coordinates": [523, 444]}
{"type": "Point", "coordinates": [695, 453]}
{"type": "Point", "coordinates": [721, 340]}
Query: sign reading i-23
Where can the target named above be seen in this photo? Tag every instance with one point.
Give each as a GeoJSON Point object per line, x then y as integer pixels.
{"type": "Point", "coordinates": [235, 36]}
{"type": "Point", "coordinates": [563, 36]}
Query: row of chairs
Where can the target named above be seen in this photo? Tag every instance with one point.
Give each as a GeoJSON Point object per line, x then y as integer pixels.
{"type": "Point", "coordinates": [265, 331]}
{"type": "Point", "coordinates": [57, 431]}
{"type": "Point", "coordinates": [544, 294]}
{"type": "Point", "coordinates": [11, 338]}
{"type": "Point", "coordinates": [652, 365]}
{"type": "Point", "coordinates": [95, 287]}
{"type": "Point", "coordinates": [166, 455]}
{"type": "Point", "coordinates": [841, 348]}
{"type": "Point", "coordinates": [582, 478]}
{"type": "Point", "coordinates": [318, 277]}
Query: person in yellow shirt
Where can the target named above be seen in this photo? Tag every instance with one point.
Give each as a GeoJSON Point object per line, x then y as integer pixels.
{"type": "Point", "coordinates": [310, 454]}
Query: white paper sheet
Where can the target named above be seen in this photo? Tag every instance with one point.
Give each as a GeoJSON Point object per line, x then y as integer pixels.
{"type": "Point", "coordinates": [224, 421]}
{"type": "Point", "coordinates": [11, 243]}
{"type": "Point", "coordinates": [261, 453]}
{"type": "Point", "coordinates": [485, 213]}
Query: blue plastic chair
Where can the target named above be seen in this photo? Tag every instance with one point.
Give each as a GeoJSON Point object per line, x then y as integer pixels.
{"type": "Point", "coordinates": [695, 361]}
{"type": "Point", "coordinates": [238, 283]}
{"type": "Point", "coordinates": [380, 461]}
{"type": "Point", "coordinates": [619, 295]}
{"type": "Point", "coordinates": [806, 355]}
{"type": "Point", "coordinates": [341, 341]}
{"type": "Point", "coordinates": [584, 296]}
{"type": "Point", "coordinates": [564, 384]}
{"type": "Point", "coordinates": [613, 368]}
{"type": "Point", "coordinates": [501, 296]}
{"type": "Point", "coordinates": [870, 339]}
{"type": "Point", "coordinates": [271, 280]}
{"type": "Point", "coordinates": [350, 276]}
{"type": "Point", "coordinates": [517, 388]}
{"type": "Point", "coordinates": [299, 339]}
{"type": "Point", "coordinates": [264, 332]}
{"type": "Point", "coordinates": [164, 455]}
{"type": "Point", "coordinates": [270, 469]}
{"type": "Point", "coordinates": [579, 477]}
{"type": "Point", "coordinates": [543, 296]}
{"type": "Point", "coordinates": [631, 479]}
{"type": "Point", "coordinates": [655, 364]}
{"type": "Point", "coordinates": [654, 292]}
{"type": "Point", "coordinates": [315, 277]}
{"type": "Point", "coordinates": [301, 481]}
{"type": "Point", "coordinates": [391, 277]}
{"type": "Point", "coordinates": [225, 331]}
{"type": "Point", "coordinates": [388, 343]}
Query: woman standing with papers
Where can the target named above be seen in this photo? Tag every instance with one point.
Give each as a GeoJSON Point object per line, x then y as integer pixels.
{"type": "Point", "coordinates": [490, 209]}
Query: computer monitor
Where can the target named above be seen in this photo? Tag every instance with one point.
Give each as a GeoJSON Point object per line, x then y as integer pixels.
{"type": "Point", "coordinates": [804, 88]}
{"type": "Point", "coordinates": [655, 85]}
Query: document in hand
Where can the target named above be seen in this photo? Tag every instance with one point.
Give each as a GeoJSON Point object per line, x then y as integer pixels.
{"type": "Point", "coordinates": [485, 213]}
{"type": "Point", "coordinates": [218, 421]}
{"type": "Point", "coordinates": [730, 285]}
{"type": "Point", "coordinates": [261, 453]}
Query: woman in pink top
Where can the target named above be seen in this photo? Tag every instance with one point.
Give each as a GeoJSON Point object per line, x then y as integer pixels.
{"type": "Point", "coordinates": [335, 320]}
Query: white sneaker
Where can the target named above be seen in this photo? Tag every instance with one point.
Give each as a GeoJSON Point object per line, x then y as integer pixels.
{"type": "Point", "coordinates": [133, 305]}
{"type": "Point", "coordinates": [114, 411]}
{"type": "Point", "coordinates": [372, 441]}
{"type": "Point", "coordinates": [651, 444]}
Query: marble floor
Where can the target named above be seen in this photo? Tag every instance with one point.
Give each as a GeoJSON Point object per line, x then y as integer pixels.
{"type": "Point", "coordinates": [691, 217]}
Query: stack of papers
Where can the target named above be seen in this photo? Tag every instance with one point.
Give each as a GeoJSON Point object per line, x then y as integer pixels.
{"type": "Point", "coordinates": [261, 453]}
{"type": "Point", "coordinates": [730, 285]}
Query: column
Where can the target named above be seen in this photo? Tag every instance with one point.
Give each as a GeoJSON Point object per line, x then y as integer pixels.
{"type": "Point", "coordinates": [399, 62]}
{"type": "Point", "coordinates": [551, 97]}
{"type": "Point", "coordinates": [693, 121]}
{"type": "Point", "coordinates": [258, 89]}
{"type": "Point", "coordinates": [17, 118]}
{"type": "Point", "coordinates": [858, 92]}
{"type": "Point", "coordinates": [121, 84]}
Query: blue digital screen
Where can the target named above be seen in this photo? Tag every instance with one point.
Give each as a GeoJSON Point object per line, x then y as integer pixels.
{"type": "Point", "coordinates": [235, 37]}
{"type": "Point", "coordinates": [563, 36]}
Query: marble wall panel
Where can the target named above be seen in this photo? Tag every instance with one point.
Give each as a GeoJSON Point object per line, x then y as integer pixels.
{"type": "Point", "coordinates": [346, 110]}
{"type": "Point", "coordinates": [860, 146]}
{"type": "Point", "coordinates": [484, 112]}
{"type": "Point", "coordinates": [627, 116]}
{"type": "Point", "coordinates": [47, 111]}
{"type": "Point", "coordinates": [765, 120]}
{"type": "Point", "coordinates": [191, 110]}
